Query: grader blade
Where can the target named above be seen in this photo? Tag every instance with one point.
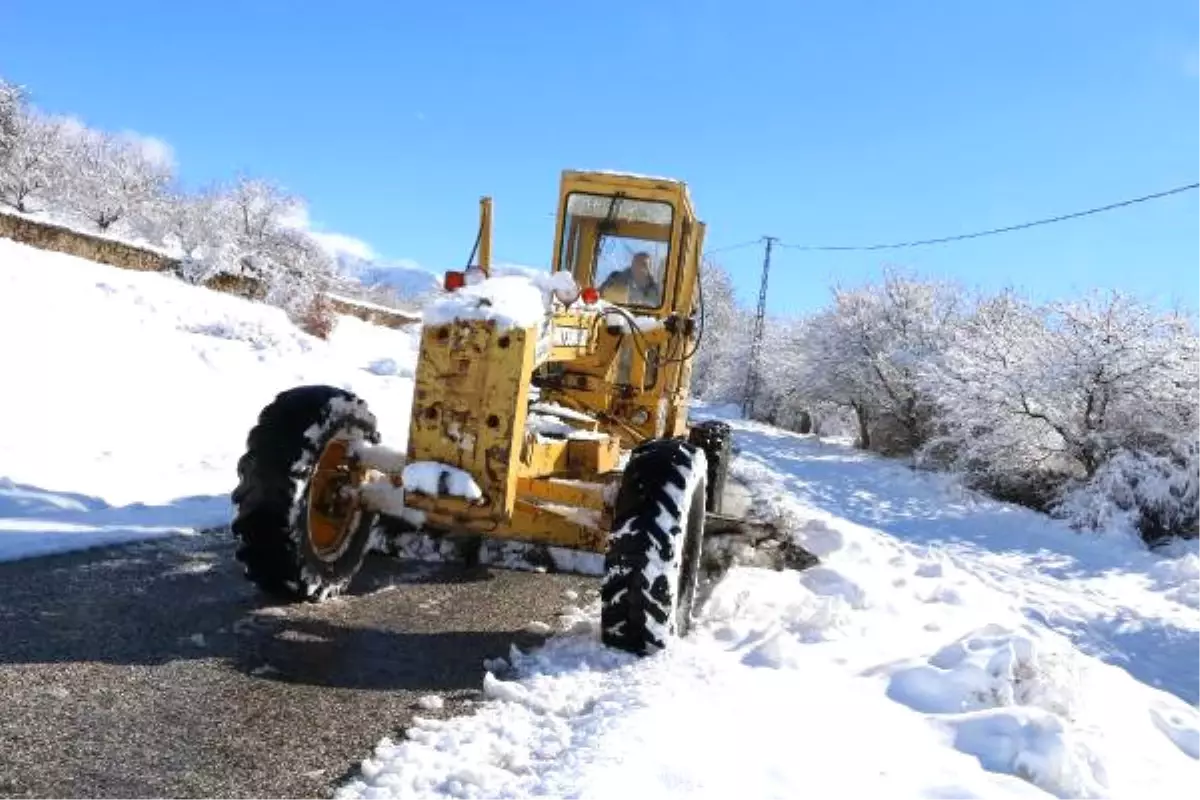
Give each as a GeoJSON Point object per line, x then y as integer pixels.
{"type": "Point", "coordinates": [732, 541]}
{"type": "Point", "coordinates": [735, 539]}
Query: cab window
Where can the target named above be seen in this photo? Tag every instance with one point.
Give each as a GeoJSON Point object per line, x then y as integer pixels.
{"type": "Point", "coordinates": [620, 245]}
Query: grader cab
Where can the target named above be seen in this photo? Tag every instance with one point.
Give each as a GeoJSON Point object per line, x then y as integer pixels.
{"type": "Point", "coordinates": [549, 411]}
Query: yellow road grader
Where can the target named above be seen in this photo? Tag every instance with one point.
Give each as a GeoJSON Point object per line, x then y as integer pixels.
{"type": "Point", "coordinates": [548, 409]}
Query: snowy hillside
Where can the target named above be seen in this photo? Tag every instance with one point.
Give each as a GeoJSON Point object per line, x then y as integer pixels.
{"type": "Point", "coordinates": [130, 388]}
{"type": "Point", "coordinates": [948, 646]}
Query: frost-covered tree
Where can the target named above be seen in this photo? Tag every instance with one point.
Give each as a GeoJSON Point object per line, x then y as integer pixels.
{"type": "Point", "coordinates": [272, 248]}
{"type": "Point", "coordinates": [870, 352]}
{"type": "Point", "coordinates": [12, 100]}
{"type": "Point", "coordinates": [720, 370]}
{"type": "Point", "coordinates": [1057, 404]}
{"type": "Point", "coordinates": [113, 178]}
{"type": "Point", "coordinates": [1067, 384]}
{"type": "Point", "coordinates": [1125, 377]}
{"type": "Point", "coordinates": [199, 226]}
{"type": "Point", "coordinates": [989, 414]}
{"type": "Point", "coordinates": [782, 398]}
{"type": "Point", "coordinates": [833, 373]}
{"type": "Point", "coordinates": [248, 230]}
{"type": "Point", "coordinates": [35, 169]}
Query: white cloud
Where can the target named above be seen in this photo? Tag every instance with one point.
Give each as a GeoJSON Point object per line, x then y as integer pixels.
{"type": "Point", "coordinates": [334, 244]}
{"type": "Point", "coordinates": [154, 149]}
{"type": "Point", "coordinates": [337, 243]}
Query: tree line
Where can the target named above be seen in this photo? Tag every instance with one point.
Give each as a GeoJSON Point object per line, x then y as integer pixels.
{"type": "Point", "coordinates": [1083, 408]}
{"type": "Point", "coordinates": [122, 185]}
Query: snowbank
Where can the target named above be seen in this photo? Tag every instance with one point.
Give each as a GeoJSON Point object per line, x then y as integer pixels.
{"type": "Point", "coordinates": [947, 646]}
{"type": "Point", "coordinates": [576, 720]}
{"type": "Point", "coordinates": [126, 387]}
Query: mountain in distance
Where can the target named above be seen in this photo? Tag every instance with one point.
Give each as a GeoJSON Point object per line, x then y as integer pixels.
{"type": "Point", "coordinates": [404, 277]}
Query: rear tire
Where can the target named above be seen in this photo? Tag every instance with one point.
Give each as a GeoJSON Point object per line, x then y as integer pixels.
{"type": "Point", "coordinates": [653, 558]}
{"type": "Point", "coordinates": [272, 496]}
{"type": "Point", "coordinates": [715, 438]}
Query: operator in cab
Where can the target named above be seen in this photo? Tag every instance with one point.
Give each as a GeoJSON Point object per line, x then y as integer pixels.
{"type": "Point", "coordinates": [634, 285]}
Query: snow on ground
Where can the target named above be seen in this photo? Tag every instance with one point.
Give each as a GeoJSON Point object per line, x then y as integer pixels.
{"type": "Point", "coordinates": [947, 646]}
{"type": "Point", "coordinates": [125, 388]}
{"type": "Point", "coordinates": [35, 522]}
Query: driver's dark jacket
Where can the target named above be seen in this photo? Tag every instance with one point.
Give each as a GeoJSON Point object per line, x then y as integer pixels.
{"type": "Point", "coordinates": [620, 287]}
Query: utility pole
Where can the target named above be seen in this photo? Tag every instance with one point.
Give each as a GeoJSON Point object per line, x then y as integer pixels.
{"type": "Point", "coordinates": [756, 341]}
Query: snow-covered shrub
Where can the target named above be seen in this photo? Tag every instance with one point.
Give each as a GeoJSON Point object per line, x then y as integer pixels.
{"type": "Point", "coordinates": [318, 319]}
{"type": "Point", "coordinates": [1155, 494]}
{"type": "Point", "coordinates": [259, 335]}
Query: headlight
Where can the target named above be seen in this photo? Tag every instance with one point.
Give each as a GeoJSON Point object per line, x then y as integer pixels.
{"type": "Point", "coordinates": [640, 416]}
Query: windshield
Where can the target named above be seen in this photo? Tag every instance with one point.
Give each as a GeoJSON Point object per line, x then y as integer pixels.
{"type": "Point", "coordinates": [619, 245]}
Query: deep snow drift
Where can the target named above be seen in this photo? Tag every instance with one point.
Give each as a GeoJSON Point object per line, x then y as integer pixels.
{"type": "Point", "coordinates": [947, 646]}
{"type": "Point", "coordinates": [132, 388]}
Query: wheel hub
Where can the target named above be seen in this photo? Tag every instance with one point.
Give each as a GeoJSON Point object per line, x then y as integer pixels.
{"type": "Point", "coordinates": [332, 503]}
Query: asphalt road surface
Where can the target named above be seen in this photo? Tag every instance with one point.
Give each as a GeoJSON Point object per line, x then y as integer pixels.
{"type": "Point", "coordinates": [157, 670]}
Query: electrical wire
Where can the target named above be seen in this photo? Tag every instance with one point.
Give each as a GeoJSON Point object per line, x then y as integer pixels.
{"type": "Point", "coordinates": [727, 248]}
{"type": "Point", "coordinates": [994, 231]}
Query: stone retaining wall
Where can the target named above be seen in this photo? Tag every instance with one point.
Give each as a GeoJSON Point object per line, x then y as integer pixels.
{"type": "Point", "coordinates": [48, 236]}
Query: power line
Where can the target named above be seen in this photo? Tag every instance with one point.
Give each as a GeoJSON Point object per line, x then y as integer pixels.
{"type": "Point", "coordinates": [994, 231]}
{"type": "Point", "coordinates": [753, 378]}
{"type": "Point", "coordinates": [737, 246]}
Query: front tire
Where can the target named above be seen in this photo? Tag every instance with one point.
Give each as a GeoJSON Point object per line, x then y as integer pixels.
{"type": "Point", "coordinates": [653, 558]}
{"type": "Point", "coordinates": [291, 547]}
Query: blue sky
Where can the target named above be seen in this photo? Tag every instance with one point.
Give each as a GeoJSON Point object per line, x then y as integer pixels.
{"type": "Point", "coordinates": [819, 123]}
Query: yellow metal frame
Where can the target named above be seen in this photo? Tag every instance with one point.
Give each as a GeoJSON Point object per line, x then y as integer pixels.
{"type": "Point", "coordinates": [474, 381]}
